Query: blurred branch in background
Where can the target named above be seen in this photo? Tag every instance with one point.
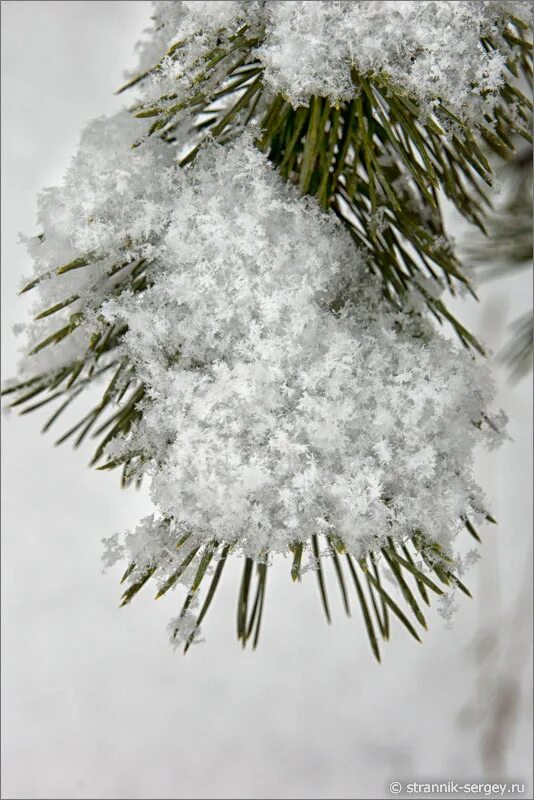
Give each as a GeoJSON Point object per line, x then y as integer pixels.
{"type": "Point", "coordinates": [508, 248]}
{"type": "Point", "coordinates": [502, 653]}
{"type": "Point", "coordinates": [518, 351]}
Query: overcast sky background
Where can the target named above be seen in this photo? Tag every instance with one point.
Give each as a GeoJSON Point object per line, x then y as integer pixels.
{"type": "Point", "coordinates": [95, 702]}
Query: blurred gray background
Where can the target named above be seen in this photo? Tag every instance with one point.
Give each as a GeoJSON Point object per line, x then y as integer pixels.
{"type": "Point", "coordinates": [95, 702]}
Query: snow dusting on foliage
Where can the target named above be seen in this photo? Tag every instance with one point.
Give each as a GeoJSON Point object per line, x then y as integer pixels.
{"type": "Point", "coordinates": [108, 210]}
{"type": "Point", "coordinates": [431, 50]}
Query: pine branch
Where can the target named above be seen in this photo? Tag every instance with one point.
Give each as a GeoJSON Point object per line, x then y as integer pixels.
{"type": "Point", "coordinates": [383, 167]}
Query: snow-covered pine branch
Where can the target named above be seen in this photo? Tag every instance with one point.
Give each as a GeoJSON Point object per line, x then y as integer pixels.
{"type": "Point", "coordinates": [272, 367]}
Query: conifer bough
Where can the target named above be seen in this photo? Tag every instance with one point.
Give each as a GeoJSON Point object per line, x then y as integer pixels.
{"type": "Point", "coordinates": [252, 260]}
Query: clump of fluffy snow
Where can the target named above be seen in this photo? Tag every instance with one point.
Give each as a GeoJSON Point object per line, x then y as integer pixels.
{"type": "Point", "coordinates": [431, 50]}
{"type": "Point", "coordinates": [285, 397]}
